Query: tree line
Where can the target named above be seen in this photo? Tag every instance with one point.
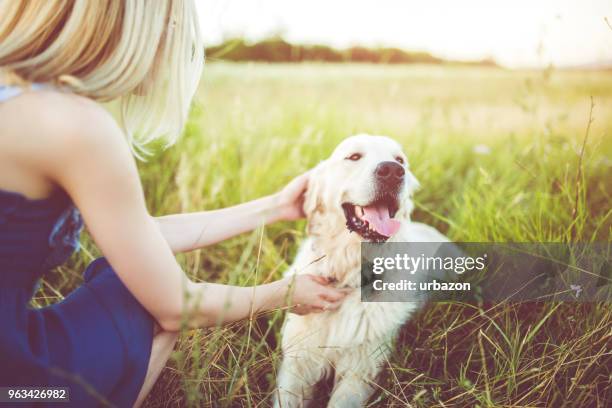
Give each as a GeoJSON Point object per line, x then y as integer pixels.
{"type": "Point", "coordinates": [279, 50]}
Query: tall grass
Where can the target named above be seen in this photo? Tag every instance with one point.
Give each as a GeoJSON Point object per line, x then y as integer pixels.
{"type": "Point", "coordinates": [498, 155]}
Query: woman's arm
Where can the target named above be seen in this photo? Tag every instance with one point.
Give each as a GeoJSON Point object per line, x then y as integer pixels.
{"type": "Point", "coordinates": [86, 154]}
{"type": "Point", "coordinates": [217, 304]}
{"type": "Point", "coordinates": [186, 232]}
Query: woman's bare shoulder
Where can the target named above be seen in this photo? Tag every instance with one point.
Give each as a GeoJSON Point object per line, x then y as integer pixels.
{"type": "Point", "coordinates": [46, 132]}
{"type": "Point", "coordinates": [50, 125]}
{"type": "Point", "coordinates": [52, 114]}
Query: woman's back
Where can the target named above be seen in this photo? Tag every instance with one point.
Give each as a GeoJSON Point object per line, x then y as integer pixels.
{"type": "Point", "coordinates": [37, 346]}
{"type": "Point", "coordinates": [19, 139]}
{"type": "Point", "coordinates": [36, 233]}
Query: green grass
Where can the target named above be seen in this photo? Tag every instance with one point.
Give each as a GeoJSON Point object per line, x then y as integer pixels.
{"type": "Point", "coordinates": [255, 126]}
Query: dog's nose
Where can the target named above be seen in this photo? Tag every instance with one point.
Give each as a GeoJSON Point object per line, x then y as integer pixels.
{"type": "Point", "coordinates": [390, 173]}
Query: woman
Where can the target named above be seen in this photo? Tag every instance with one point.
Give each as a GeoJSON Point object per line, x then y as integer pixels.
{"type": "Point", "coordinates": [62, 156]}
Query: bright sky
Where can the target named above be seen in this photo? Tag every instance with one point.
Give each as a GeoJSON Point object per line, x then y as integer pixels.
{"type": "Point", "coordinates": [517, 33]}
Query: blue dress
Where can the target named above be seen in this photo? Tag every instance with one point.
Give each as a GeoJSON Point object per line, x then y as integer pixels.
{"type": "Point", "coordinates": [97, 341]}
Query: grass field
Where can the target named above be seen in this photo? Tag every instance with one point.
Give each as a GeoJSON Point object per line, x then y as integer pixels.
{"type": "Point", "coordinates": [498, 154]}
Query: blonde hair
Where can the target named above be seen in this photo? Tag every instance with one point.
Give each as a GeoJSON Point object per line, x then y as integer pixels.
{"type": "Point", "coordinates": [146, 55]}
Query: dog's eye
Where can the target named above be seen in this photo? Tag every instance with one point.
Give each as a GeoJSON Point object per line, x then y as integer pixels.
{"type": "Point", "coordinates": [399, 160]}
{"type": "Point", "coordinates": [354, 157]}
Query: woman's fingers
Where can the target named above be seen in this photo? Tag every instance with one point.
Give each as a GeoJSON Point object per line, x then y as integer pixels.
{"type": "Point", "coordinates": [317, 307]}
{"type": "Point", "coordinates": [323, 280]}
{"type": "Point", "coordinates": [332, 294]}
{"type": "Point", "coordinates": [320, 279]}
{"type": "Point", "coordinates": [301, 182]}
{"type": "Point", "coordinates": [332, 305]}
{"type": "Point", "coordinates": [315, 294]}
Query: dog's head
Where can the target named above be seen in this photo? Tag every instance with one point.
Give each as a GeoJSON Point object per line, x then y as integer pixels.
{"type": "Point", "coordinates": [365, 187]}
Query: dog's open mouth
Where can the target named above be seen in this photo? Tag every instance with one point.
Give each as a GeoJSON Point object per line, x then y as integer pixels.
{"type": "Point", "coordinates": [374, 221]}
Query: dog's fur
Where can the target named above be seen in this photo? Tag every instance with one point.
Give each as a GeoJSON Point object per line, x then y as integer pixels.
{"type": "Point", "coordinates": [354, 340]}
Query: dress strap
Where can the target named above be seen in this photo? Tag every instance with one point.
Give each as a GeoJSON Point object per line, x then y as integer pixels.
{"type": "Point", "coordinates": [10, 91]}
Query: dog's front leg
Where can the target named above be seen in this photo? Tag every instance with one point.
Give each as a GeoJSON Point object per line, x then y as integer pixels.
{"type": "Point", "coordinates": [350, 392]}
{"type": "Point", "coordinates": [356, 371]}
{"type": "Point", "coordinates": [297, 377]}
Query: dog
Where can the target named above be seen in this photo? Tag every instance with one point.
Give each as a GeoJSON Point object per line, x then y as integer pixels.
{"type": "Point", "coordinates": [361, 193]}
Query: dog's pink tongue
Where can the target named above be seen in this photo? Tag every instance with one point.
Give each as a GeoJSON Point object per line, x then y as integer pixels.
{"type": "Point", "coordinates": [378, 217]}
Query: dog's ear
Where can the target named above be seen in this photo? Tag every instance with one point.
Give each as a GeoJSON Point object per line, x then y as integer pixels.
{"type": "Point", "coordinates": [412, 185]}
{"type": "Point", "coordinates": [313, 201]}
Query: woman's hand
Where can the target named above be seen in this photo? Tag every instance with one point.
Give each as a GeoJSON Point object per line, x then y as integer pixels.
{"type": "Point", "coordinates": [310, 293]}
{"type": "Point", "coordinates": [291, 198]}
{"type": "Point", "coordinates": [218, 304]}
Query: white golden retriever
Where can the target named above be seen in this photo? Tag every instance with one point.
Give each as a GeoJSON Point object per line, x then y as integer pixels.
{"type": "Point", "coordinates": [361, 193]}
